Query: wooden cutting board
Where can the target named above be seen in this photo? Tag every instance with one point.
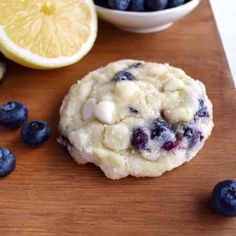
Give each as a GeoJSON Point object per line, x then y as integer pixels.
{"type": "Point", "coordinates": [48, 194]}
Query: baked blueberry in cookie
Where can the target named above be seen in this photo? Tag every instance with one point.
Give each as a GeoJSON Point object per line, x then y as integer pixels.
{"type": "Point", "coordinates": [203, 111]}
{"type": "Point", "coordinates": [135, 118]}
{"type": "Point", "coordinates": [133, 110]}
{"type": "Point", "coordinates": [160, 127]}
{"type": "Point", "coordinates": [123, 75]}
{"type": "Point", "coordinates": [139, 139]}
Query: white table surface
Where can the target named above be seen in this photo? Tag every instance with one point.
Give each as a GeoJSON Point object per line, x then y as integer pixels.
{"type": "Point", "coordinates": [225, 16]}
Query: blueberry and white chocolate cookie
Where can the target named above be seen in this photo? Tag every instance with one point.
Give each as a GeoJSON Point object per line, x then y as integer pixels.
{"type": "Point", "coordinates": [135, 118]}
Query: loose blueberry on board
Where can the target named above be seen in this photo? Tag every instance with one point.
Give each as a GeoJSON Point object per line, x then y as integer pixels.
{"type": "Point", "coordinates": [119, 4]}
{"type": "Point", "coordinates": [159, 126]}
{"type": "Point", "coordinates": [139, 139]}
{"type": "Point", "coordinates": [202, 112]}
{"type": "Point", "coordinates": [13, 115]}
{"type": "Point", "coordinates": [3, 69]}
{"type": "Point", "coordinates": [175, 3]}
{"type": "Point", "coordinates": [136, 5]}
{"type": "Point", "coordinates": [102, 3]}
{"type": "Point", "coordinates": [133, 110]}
{"type": "Point", "coordinates": [7, 161]}
{"type": "Point", "coordinates": [193, 136]}
{"type": "Point", "coordinates": [35, 133]}
{"type": "Point", "coordinates": [155, 5]}
{"type": "Point", "coordinates": [123, 75]}
{"type": "Point", "coordinates": [224, 198]}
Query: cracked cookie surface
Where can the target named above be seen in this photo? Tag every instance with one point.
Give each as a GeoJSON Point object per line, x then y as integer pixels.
{"type": "Point", "coordinates": [135, 118]}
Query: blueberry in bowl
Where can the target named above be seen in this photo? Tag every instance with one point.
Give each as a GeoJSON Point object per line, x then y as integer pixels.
{"type": "Point", "coordinates": [119, 4]}
{"type": "Point", "coordinates": [102, 3]}
{"type": "Point", "coordinates": [144, 16]}
{"type": "Point", "coordinates": [136, 5]}
{"type": "Point", "coordinates": [13, 114]}
{"type": "Point", "coordinates": [175, 3]}
{"type": "Point", "coordinates": [140, 5]}
{"type": "Point", "coordinates": [155, 5]}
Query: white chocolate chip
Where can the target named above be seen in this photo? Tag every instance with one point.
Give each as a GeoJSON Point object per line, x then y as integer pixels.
{"type": "Point", "coordinates": [173, 85]}
{"type": "Point", "coordinates": [126, 89]}
{"type": "Point", "coordinates": [180, 105]}
{"type": "Point", "coordinates": [80, 137]}
{"type": "Point", "coordinates": [88, 109]}
{"type": "Point", "coordinates": [179, 114]}
{"type": "Point", "coordinates": [104, 111]}
{"type": "Point", "coordinates": [84, 89]}
{"type": "Point", "coordinates": [117, 137]}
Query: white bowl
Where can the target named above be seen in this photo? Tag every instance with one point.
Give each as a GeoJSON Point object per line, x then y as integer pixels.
{"type": "Point", "coordinates": [146, 22]}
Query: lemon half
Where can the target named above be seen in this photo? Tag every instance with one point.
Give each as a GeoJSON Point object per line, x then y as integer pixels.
{"type": "Point", "coordinates": [46, 34]}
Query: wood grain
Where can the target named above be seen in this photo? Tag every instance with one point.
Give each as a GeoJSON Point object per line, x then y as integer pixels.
{"type": "Point", "coordinates": [48, 194]}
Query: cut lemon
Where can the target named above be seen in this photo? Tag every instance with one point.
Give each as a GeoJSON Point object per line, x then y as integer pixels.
{"type": "Point", "coordinates": [46, 34]}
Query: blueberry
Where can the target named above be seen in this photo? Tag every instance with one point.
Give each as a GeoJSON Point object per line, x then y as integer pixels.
{"type": "Point", "coordinates": [123, 75]}
{"type": "Point", "coordinates": [139, 139]}
{"type": "Point", "coordinates": [202, 112]}
{"type": "Point", "coordinates": [135, 65]}
{"type": "Point", "coordinates": [13, 115]}
{"type": "Point", "coordinates": [162, 131]}
{"type": "Point", "coordinates": [7, 162]}
{"type": "Point", "coordinates": [201, 102]}
{"type": "Point", "coordinates": [119, 4]}
{"type": "Point", "coordinates": [136, 5]}
{"type": "Point", "coordinates": [193, 135]}
{"type": "Point", "coordinates": [169, 145]}
{"type": "Point", "coordinates": [3, 69]}
{"type": "Point", "coordinates": [224, 197]}
{"type": "Point", "coordinates": [159, 126]}
{"type": "Point", "coordinates": [175, 3]}
{"type": "Point", "coordinates": [103, 3]}
{"type": "Point", "coordinates": [155, 5]}
{"type": "Point", "coordinates": [133, 110]}
{"type": "Point", "coordinates": [35, 133]}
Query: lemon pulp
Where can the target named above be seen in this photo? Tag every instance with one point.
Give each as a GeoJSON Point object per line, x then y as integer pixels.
{"type": "Point", "coordinates": [49, 29]}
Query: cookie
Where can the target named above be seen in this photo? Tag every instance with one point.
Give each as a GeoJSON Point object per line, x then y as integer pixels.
{"type": "Point", "coordinates": [135, 118]}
